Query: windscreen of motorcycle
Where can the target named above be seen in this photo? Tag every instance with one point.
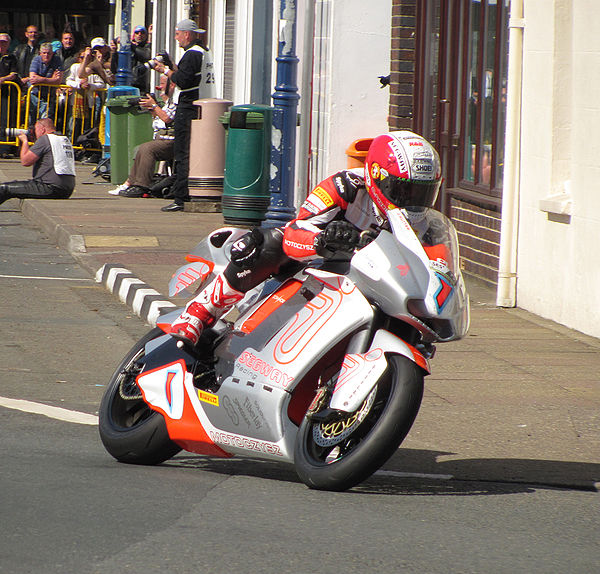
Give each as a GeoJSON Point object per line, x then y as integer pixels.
{"type": "Point", "coordinates": [413, 274]}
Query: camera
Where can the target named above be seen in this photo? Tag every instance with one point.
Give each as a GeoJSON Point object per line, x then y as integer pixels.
{"type": "Point", "coordinates": [162, 58]}
{"type": "Point", "coordinates": [13, 133]}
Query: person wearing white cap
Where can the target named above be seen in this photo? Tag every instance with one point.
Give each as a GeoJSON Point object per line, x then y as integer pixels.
{"type": "Point", "coordinates": [97, 60]}
{"type": "Point", "coordinates": [8, 62]}
{"type": "Point", "coordinates": [195, 78]}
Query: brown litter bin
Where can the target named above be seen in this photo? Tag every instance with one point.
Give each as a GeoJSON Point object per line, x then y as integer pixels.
{"type": "Point", "coordinates": [357, 152]}
{"type": "Point", "coordinates": [207, 149]}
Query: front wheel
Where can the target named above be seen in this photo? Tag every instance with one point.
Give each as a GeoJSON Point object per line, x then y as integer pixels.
{"type": "Point", "coordinates": [130, 430]}
{"type": "Point", "coordinates": [338, 455]}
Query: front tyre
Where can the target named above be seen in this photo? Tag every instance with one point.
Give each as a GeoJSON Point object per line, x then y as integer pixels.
{"type": "Point", "coordinates": [337, 456]}
{"type": "Point", "coordinates": [130, 430]}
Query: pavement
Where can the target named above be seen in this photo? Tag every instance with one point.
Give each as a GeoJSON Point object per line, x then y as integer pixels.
{"type": "Point", "coordinates": [516, 401]}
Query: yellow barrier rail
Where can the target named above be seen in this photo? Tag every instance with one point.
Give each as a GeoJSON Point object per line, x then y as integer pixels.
{"type": "Point", "coordinates": [74, 111]}
{"type": "Point", "coordinates": [10, 110]}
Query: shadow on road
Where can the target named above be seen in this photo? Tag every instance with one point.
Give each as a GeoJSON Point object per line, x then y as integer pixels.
{"type": "Point", "coordinates": [551, 473]}
{"type": "Point", "coordinates": [417, 473]}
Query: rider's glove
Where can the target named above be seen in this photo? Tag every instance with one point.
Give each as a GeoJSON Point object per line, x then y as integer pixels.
{"type": "Point", "coordinates": [339, 237]}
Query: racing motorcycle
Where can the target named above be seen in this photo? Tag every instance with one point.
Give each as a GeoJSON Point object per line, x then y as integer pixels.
{"type": "Point", "coordinates": [322, 367]}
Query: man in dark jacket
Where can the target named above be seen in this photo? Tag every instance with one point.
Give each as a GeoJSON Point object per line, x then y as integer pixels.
{"type": "Point", "coordinates": [9, 99]}
{"type": "Point", "coordinates": [67, 52]}
{"type": "Point", "coordinates": [140, 54]}
{"type": "Point", "coordinates": [26, 52]}
{"type": "Point", "coordinates": [195, 78]}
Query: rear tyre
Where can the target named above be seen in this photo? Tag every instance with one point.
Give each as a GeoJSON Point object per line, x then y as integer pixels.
{"type": "Point", "coordinates": [337, 456]}
{"type": "Point", "coordinates": [130, 430]}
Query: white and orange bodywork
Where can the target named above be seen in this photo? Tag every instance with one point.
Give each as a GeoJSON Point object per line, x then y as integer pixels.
{"type": "Point", "coordinates": [269, 360]}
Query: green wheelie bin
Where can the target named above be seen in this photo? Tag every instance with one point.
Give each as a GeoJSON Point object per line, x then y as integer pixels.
{"type": "Point", "coordinates": [246, 196]}
{"type": "Point", "coordinates": [130, 126]}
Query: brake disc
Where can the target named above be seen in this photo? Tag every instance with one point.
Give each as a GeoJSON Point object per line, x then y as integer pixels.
{"type": "Point", "coordinates": [330, 434]}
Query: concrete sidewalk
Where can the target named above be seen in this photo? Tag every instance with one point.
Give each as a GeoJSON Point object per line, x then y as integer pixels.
{"type": "Point", "coordinates": [517, 400]}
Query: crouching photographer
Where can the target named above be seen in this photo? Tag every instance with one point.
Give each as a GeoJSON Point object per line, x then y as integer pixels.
{"type": "Point", "coordinates": [53, 164]}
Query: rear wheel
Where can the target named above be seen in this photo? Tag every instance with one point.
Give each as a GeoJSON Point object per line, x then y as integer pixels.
{"type": "Point", "coordinates": [341, 454]}
{"type": "Point", "coordinates": [130, 430]}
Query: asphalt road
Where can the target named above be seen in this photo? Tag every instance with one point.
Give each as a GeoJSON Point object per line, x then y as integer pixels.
{"type": "Point", "coordinates": [66, 506]}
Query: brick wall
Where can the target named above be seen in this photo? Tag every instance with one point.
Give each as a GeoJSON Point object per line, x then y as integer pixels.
{"type": "Point", "coordinates": [479, 237]}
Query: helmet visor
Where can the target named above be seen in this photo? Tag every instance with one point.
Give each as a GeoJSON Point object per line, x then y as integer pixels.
{"type": "Point", "coordinates": [405, 192]}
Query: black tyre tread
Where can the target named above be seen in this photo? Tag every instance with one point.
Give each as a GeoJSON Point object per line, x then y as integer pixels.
{"type": "Point", "coordinates": [146, 443]}
{"type": "Point", "coordinates": [381, 442]}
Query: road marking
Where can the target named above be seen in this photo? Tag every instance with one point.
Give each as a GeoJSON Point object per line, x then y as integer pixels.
{"type": "Point", "coordinates": [120, 241]}
{"type": "Point", "coordinates": [40, 277]}
{"type": "Point", "coordinates": [49, 411]}
{"type": "Point", "coordinates": [414, 475]}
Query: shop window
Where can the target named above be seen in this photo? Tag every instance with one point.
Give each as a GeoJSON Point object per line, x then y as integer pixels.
{"type": "Point", "coordinates": [485, 101]}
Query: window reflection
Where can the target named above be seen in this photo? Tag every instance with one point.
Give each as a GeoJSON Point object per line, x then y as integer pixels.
{"type": "Point", "coordinates": [486, 100]}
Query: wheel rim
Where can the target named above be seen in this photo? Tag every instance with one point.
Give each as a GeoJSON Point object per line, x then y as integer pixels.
{"type": "Point", "coordinates": [331, 434]}
{"type": "Point", "coordinates": [329, 443]}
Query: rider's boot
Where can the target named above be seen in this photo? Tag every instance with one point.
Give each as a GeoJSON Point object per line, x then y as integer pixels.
{"type": "Point", "coordinates": [202, 311]}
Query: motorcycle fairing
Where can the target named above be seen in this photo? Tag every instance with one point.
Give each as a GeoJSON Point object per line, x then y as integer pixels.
{"type": "Point", "coordinates": [170, 391]}
{"type": "Point", "coordinates": [305, 330]}
{"type": "Point", "coordinates": [270, 305]}
{"type": "Point", "coordinates": [189, 278]}
{"type": "Point", "coordinates": [427, 292]}
{"type": "Point", "coordinates": [259, 370]}
{"type": "Point", "coordinates": [213, 251]}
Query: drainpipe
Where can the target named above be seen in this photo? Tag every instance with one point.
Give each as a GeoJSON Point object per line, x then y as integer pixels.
{"type": "Point", "coordinates": [304, 141]}
{"type": "Point", "coordinates": [123, 76]}
{"type": "Point", "coordinates": [506, 294]}
{"type": "Point", "coordinates": [285, 119]}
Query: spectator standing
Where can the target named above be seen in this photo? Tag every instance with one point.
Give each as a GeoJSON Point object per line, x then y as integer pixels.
{"type": "Point", "coordinates": [46, 68]}
{"type": "Point", "coordinates": [160, 148]}
{"type": "Point", "coordinates": [9, 99]}
{"type": "Point", "coordinates": [83, 89]}
{"type": "Point", "coordinates": [194, 76]}
{"type": "Point", "coordinates": [8, 62]}
{"type": "Point", "coordinates": [68, 51]}
{"type": "Point", "coordinates": [98, 60]}
{"type": "Point", "coordinates": [53, 164]}
{"type": "Point", "coordinates": [141, 52]}
{"type": "Point", "coordinates": [27, 51]}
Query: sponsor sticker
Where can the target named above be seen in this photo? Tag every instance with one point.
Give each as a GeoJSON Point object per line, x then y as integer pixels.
{"type": "Point", "coordinates": [208, 398]}
{"type": "Point", "coordinates": [323, 196]}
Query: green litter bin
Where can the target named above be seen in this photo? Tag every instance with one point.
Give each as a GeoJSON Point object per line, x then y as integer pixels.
{"type": "Point", "coordinates": [246, 196]}
{"type": "Point", "coordinates": [130, 126]}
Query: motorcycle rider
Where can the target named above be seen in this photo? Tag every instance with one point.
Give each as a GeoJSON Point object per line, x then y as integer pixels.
{"type": "Point", "coordinates": [401, 169]}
